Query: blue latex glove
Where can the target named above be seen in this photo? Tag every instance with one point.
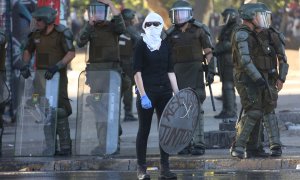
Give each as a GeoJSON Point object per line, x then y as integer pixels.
{"type": "Point", "coordinates": [145, 102]}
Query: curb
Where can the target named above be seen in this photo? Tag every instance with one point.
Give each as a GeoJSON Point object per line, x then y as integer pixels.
{"type": "Point", "coordinates": [178, 163]}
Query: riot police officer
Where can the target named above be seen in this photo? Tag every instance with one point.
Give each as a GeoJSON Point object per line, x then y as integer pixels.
{"type": "Point", "coordinates": [127, 43]}
{"type": "Point", "coordinates": [2, 79]}
{"type": "Point", "coordinates": [225, 66]}
{"type": "Point", "coordinates": [188, 39]}
{"type": "Point", "coordinates": [260, 69]}
{"type": "Point", "coordinates": [103, 33]}
{"type": "Point", "coordinates": [54, 50]}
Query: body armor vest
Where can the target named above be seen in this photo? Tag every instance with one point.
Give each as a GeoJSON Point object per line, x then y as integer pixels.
{"type": "Point", "coordinates": [261, 50]}
{"type": "Point", "coordinates": [265, 57]}
{"type": "Point", "coordinates": [104, 45]}
{"type": "Point", "coordinates": [186, 46]}
{"type": "Point", "coordinates": [49, 49]}
{"type": "Point", "coordinates": [126, 45]}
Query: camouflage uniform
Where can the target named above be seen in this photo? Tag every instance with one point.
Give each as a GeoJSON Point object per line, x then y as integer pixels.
{"type": "Point", "coordinates": [188, 57]}
{"type": "Point", "coordinates": [49, 51]}
{"type": "Point", "coordinates": [225, 64]}
{"type": "Point", "coordinates": [259, 62]}
{"type": "Point", "coordinates": [127, 43]}
{"type": "Point", "coordinates": [104, 54]}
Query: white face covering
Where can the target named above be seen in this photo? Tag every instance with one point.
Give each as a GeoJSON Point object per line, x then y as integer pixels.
{"type": "Point", "coordinates": [152, 33]}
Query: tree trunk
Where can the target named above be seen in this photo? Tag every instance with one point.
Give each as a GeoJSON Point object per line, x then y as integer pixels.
{"type": "Point", "coordinates": [159, 8]}
{"type": "Point", "coordinates": [202, 10]}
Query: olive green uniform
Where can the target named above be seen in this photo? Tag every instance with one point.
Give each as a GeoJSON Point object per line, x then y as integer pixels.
{"type": "Point", "coordinates": [255, 56]}
{"type": "Point", "coordinates": [225, 67]}
{"type": "Point", "coordinates": [49, 50]}
{"type": "Point", "coordinates": [127, 44]}
{"type": "Point", "coordinates": [188, 57]}
{"type": "Point", "coordinates": [2, 78]}
{"type": "Point", "coordinates": [104, 54]}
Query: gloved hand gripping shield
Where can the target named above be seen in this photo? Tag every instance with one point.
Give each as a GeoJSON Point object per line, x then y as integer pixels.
{"type": "Point", "coordinates": [98, 114]}
{"type": "Point", "coordinates": [37, 115]}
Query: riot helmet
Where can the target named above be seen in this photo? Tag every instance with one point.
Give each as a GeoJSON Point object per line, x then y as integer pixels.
{"type": "Point", "coordinates": [181, 12]}
{"type": "Point", "coordinates": [258, 13]}
{"type": "Point", "coordinates": [230, 15]}
{"type": "Point", "coordinates": [128, 14]}
{"type": "Point", "coordinates": [98, 11]}
{"type": "Point", "coordinates": [45, 14]}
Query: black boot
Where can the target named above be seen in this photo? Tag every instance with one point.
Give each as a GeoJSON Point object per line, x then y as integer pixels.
{"type": "Point", "coordinates": [185, 151]}
{"type": "Point", "coordinates": [276, 151]}
{"type": "Point", "coordinates": [237, 152]}
{"type": "Point", "coordinates": [197, 150]}
{"type": "Point", "coordinates": [256, 153]}
{"type": "Point", "coordinates": [142, 172]}
{"type": "Point", "coordinates": [129, 117]}
{"type": "Point", "coordinates": [165, 173]}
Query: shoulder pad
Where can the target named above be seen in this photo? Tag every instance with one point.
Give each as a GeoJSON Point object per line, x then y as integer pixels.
{"type": "Point", "coordinates": [60, 28]}
{"type": "Point", "coordinates": [241, 36]}
{"type": "Point", "coordinates": [68, 34]}
{"type": "Point", "coordinates": [274, 30]}
{"type": "Point", "coordinates": [66, 31]}
{"type": "Point", "coordinates": [202, 26]}
{"type": "Point", "coordinates": [170, 30]}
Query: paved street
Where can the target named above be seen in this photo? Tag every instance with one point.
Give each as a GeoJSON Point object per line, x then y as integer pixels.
{"type": "Point", "coordinates": [214, 159]}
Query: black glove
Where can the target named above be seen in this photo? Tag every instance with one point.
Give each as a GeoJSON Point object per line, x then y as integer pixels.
{"type": "Point", "coordinates": [209, 78]}
{"type": "Point", "coordinates": [25, 72]}
{"type": "Point", "coordinates": [260, 82]}
{"type": "Point", "coordinates": [50, 72]}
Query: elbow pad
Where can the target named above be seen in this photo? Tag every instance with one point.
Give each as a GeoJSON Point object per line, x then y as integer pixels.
{"type": "Point", "coordinates": [283, 70]}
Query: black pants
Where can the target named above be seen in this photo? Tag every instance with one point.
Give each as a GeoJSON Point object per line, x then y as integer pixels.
{"type": "Point", "coordinates": [159, 102]}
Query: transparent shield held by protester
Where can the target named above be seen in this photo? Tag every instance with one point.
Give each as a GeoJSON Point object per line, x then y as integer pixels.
{"type": "Point", "coordinates": [37, 115]}
{"type": "Point", "coordinates": [179, 120]}
{"type": "Point", "coordinates": [98, 114]}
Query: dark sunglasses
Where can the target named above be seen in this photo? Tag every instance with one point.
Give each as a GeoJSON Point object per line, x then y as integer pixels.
{"type": "Point", "coordinates": [148, 24]}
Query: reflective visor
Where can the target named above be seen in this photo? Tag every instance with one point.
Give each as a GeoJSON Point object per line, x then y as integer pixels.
{"type": "Point", "coordinates": [180, 15]}
{"type": "Point", "coordinates": [263, 19]}
{"type": "Point", "coordinates": [99, 12]}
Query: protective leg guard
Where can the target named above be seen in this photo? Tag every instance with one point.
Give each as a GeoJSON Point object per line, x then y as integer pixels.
{"type": "Point", "coordinates": [229, 102]}
{"type": "Point", "coordinates": [63, 132]}
{"type": "Point", "coordinates": [249, 120]}
{"type": "Point", "coordinates": [271, 124]}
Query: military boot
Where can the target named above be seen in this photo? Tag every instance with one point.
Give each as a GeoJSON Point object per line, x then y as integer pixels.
{"type": "Point", "coordinates": [256, 153]}
{"type": "Point", "coordinates": [197, 150]}
{"type": "Point", "coordinates": [142, 172]}
{"type": "Point", "coordinates": [165, 172]}
{"type": "Point", "coordinates": [185, 151]}
{"type": "Point", "coordinates": [63, 132]}
{"type": "Point", "coordinates": [225, 115]}
{"type": "Point", "coordinates": [237, 152]}
{"type": "Point", "coordinates": [276, 151]}
{"type": "Point", "coordinates": [129, 117]}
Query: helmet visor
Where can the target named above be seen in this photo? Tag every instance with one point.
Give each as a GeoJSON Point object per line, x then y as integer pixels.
{"type": "Point", "coordinates": [99, 13]}
{"type": "Point", "coordinates": [180, 15]}
{"type": "Point", "coordinates": [263, 19]}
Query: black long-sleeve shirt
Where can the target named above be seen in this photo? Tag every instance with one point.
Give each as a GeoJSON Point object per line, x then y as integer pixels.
{"type": "Point", "coordinates": [154, 66]}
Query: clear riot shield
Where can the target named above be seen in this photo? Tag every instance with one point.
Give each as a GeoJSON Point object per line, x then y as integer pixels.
{"type": "Point", "coordinates": [98, 113]}
{"type": "Point", "coordinates": [178, 121]}
{"type": "Point", "coordinates": [4, 90]}
{"type": "Point", "coordinates": [36, 116]}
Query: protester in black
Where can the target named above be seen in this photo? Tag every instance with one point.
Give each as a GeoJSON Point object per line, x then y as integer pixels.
{"type": "Point", "coordinates": [155, 80]}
